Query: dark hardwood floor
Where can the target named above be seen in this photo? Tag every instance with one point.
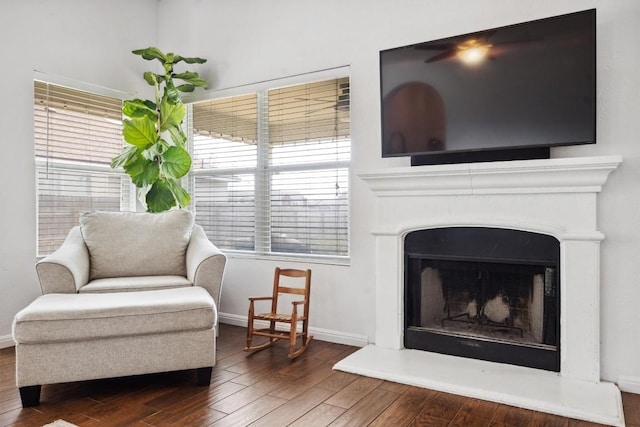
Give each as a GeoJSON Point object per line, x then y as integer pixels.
{"type": "Point", "coordinates": [264, 389]}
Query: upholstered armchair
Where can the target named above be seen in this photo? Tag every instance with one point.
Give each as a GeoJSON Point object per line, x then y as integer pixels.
{"type": "Point", "coordinates": [127, 251]}
{"type": "Point", "coordinates": [125, 294]}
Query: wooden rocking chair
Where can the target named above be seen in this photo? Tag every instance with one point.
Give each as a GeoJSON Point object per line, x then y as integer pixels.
{"type": "Point", "coordinates": [273, 317]}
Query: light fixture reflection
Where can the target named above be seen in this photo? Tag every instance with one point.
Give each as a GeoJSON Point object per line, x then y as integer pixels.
{"type": "Point", "coordinates": [473, 51]}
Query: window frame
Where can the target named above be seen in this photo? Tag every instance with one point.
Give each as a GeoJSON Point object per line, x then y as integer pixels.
{"type": "Point", "coordinates": [263, 201]}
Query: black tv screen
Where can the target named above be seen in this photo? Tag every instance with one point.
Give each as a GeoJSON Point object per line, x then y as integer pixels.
{"type": "Point", "coordinates": [524, 86]}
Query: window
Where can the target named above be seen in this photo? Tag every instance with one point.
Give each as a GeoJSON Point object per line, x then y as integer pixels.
{"type": "Point", "coordinates": [76, 134]}
{"type": "Point", "coordinates": [271, 169]}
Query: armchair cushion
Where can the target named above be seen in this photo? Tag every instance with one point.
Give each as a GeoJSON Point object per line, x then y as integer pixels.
{"type": "Point", "coordinates": [136, 244]}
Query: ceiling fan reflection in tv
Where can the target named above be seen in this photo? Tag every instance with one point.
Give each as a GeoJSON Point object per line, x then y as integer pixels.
{"type": "Point", "coordinates": [474, 49]}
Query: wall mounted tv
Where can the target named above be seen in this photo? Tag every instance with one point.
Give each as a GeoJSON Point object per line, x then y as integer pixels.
{"type": "Point", "coordinates": [499, 94]}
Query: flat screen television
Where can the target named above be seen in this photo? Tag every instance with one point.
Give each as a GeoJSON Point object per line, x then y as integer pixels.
{"type": "Point", "coordinates": [504, 93]}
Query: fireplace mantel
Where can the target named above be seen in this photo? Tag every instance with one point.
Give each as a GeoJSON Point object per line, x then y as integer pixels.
{"type": "Point", "coordinates": [564, 175]}
{"type": "Point", "coordinates": [557, 197]}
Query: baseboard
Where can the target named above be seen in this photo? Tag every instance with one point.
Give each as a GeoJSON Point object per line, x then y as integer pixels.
{"type": "Point", "coordinates": [6, 341]}
{"type": "Point", "coordinates": [321, 334]}
{"type": "Point", "coordinates": [629, 384]}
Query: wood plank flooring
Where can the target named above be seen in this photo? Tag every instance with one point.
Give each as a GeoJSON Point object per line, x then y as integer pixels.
{"type": "Point", "coordinates": [265, 389]}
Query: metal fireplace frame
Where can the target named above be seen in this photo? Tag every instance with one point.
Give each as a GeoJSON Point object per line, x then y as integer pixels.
{"type": "Point", "coordinates": [483, 247]}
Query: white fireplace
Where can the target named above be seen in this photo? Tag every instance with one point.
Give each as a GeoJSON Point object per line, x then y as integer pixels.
{"type": "Point", "coordinates": [556, 197]}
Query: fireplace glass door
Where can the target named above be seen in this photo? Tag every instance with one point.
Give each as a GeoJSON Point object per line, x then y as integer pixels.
{"type": "Point", "coordinates": [489, 294]}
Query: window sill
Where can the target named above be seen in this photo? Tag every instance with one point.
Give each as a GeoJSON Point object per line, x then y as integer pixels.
{"type": "Point", "coordinates": [309, 259]}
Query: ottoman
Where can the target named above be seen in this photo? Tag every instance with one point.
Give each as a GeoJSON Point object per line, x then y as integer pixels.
{"type": "Point", "coordinates": [76, 337]}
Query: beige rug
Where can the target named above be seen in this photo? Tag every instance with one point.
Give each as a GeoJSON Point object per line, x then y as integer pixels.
{"type": "Point", "coordinates": [60, 423]}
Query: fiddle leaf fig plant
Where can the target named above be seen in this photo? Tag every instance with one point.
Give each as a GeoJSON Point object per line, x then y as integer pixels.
{"type": "Point", "coordinates": [156, 157]}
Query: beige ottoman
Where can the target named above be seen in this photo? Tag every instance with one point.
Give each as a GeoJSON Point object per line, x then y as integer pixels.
{"type": "Point", "coordinates": [76, 337]}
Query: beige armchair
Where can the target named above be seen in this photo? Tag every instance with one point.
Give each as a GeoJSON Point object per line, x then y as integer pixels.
{"type": "Point", "coordinates": [125, 294]}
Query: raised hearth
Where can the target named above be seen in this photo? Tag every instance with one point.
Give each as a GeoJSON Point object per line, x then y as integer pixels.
{"type": "Point", "coordinates": [554, 197]}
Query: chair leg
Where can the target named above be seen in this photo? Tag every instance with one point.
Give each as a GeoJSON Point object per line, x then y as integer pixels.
{"type": "Point", "coordinates": [30, 395]}
{"type": "Point", "coordinates": [306, 339]}
{"type": "Point", "coordinates": [249, 326]}
{"type": "Point", "coordinates": [249, 334]}
{"type": "Point", "coordinates": [204, 376]}
{"type": "Point", "coordinates": [305, 344]}
{"type": "Point", "coordinates": [272, 327]}
{"type": "Point", "coordinates": [305, 330]}
{"type": "Point", "coordinates": [253, 348]}
{"type": "Point", "coordinates": [292, 337]}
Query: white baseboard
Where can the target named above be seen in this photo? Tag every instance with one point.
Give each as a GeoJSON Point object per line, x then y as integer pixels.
{"type": "Point", "coordinates": [6, 341]}
{"type": "Point", "coordinates": [629, 384]}
{"type": "Point", "coordinates": [337, 337]}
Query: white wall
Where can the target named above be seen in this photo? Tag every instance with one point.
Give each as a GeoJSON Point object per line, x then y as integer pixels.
{"type": "Point", "coordinates": [84, 40]}
{"type": "Point", "coordinates": [255, 40]}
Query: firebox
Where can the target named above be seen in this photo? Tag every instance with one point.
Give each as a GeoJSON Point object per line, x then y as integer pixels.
{"type": "Point", "coordinates": [484, 293]}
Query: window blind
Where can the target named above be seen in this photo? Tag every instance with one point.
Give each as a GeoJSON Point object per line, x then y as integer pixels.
{"type": "Point", "coordinates": [271, 169]}
{"type": "Point", "coordinates": [224, 151]}
{"type": "Point", "coordinates": [76, 134]}
{"type": "Point", "coordinates": [309, 143]}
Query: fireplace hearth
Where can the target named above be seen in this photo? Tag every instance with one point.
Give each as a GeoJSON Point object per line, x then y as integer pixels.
{"type": "Point", "coordinates": [483, 293]}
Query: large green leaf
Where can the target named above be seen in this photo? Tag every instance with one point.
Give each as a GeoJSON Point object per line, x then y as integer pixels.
{"type": "Point", "coordinates": [186, 88]}
{"type": "Point", "coordinates": [150, 53]}
{"type": "Point", "coordinates": [176, 162]}
{"type": "Point", "coordinates": [179, 193]}
{"type": "Point", "coordinates": [160, 198]}
{"type": "Point", "coordinates": [155, 150]}
{"type": "Point", "coordinates": [171, 114]}
{"type": "Point", "coordinates": [127, 155]}
{"type": "Point", "coordinates": [139, 131]}
{"type": "Point", "coordinates": [178, 136]}
{"type": "Point", "coordinates": [152, 78]}
{"type": "Point", "coordinates": [179, 58]}
{"type": "Point", "coordinates": [171, 92]}
{"type": "Point", "coordinates": [142, 171]}
{"type": "Point", "coordinates": [191, 77]}
{"type": "Point", "coordinates": [138, 108]}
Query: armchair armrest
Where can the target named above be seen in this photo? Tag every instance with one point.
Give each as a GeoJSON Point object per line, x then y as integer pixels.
{"type": "Point", "coordinates": [260, 298]}
{"type": "Point", "coordinates": [205, 264]}
{"type": "Point", "coordinates": [252, 301]}
{"type": "Point", "coordinates": [294, 308]}
{"type": "Point", "coordinates": [67, 269]}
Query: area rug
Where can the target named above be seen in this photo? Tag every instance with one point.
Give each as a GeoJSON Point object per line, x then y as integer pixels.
{"type": "Point", "coordinates": [60, 423]}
